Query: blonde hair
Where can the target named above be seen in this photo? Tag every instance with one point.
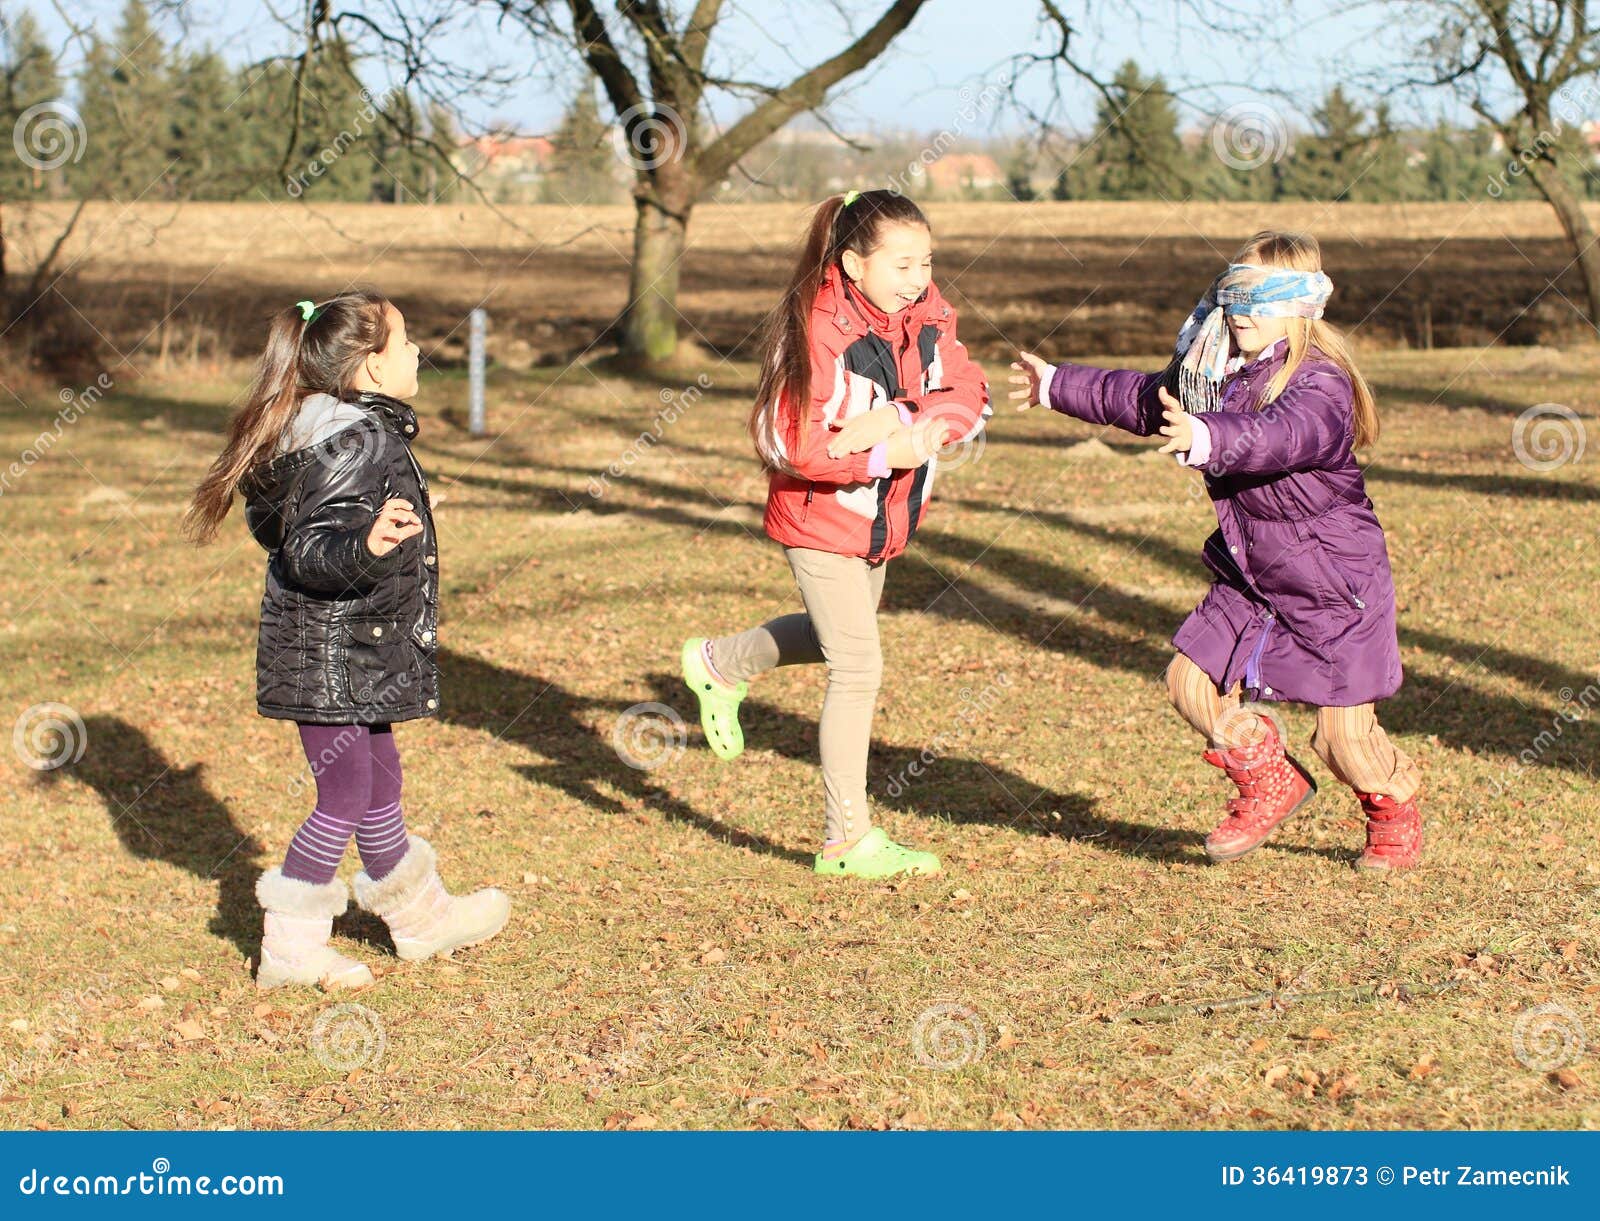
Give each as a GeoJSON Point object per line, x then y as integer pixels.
{"type": "Point", "coordinates": [1300, 252]}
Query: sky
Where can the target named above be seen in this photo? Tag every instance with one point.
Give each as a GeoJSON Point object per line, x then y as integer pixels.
{"type": "Point", "coordinates": [933, 77]}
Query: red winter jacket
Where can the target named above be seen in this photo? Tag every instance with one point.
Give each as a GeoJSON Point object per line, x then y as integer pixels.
{"type": "Point", "coordinates": [862, 358]}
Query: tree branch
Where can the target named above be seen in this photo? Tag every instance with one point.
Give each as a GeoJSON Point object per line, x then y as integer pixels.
{"type": "Point", "coordinates": [805, 92]}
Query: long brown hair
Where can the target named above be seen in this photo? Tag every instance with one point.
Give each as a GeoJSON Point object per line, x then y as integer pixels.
{"type": "Point", "coordinates": [302, 357]}
{"type": "Point", "coordinates": [786, 345]}
{"type": "Point", "coordinates": [1300, 252]}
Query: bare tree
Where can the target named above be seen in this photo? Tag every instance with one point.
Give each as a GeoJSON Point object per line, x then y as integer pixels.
{"type": "Point", "coordinates": [653, 66]}
{"type": "Point", "coordinates": [1528, 68]}
{"type": "Point", "coordinates": [654, 63]}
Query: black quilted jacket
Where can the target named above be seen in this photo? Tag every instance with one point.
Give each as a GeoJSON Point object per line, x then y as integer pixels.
{"type": "Point", "coordinates": [347, 637]}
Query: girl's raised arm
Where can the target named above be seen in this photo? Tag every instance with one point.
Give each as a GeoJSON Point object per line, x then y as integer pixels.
{"type": "Point", "coordinates": [1123, 398]}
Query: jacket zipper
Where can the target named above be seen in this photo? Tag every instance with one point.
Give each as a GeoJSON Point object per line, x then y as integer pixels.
{"type": "Point", "coordinates": [1252, 668]}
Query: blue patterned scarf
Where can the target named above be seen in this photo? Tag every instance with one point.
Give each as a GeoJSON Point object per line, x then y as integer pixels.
{"type": "Point", "coordinates": [1204, 343]}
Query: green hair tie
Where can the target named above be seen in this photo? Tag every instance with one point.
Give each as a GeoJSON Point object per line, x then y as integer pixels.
{"type": "Point", "coordinates": [306, 308]}
{"type": "Point", "coordinates": [849, 198]}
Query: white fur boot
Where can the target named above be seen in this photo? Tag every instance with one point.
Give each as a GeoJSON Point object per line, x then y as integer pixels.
{"type": "Point", "coordinates": [423, 917]}
{"type": "Point", "coordinates": [294, 943]}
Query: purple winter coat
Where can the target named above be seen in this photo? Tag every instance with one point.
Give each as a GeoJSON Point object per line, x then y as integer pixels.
{"type": "Point", "coordinates": [1302, 607]}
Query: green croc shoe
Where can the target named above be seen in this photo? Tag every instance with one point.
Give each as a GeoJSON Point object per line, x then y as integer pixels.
{"type": "Point", "coordinates": [875, 855]}
{"type": "Point", "coordinates": [719, 703]}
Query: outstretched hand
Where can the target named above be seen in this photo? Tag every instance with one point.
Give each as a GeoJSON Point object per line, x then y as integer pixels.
{"type": "Point", "coordinates": [1179, 426]}
{"type": "Point", "coordinates": [1030, 373]}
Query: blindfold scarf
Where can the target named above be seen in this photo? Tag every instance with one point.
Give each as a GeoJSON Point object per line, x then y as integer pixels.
{"type": "Point", "coordinates": [1204, 343]}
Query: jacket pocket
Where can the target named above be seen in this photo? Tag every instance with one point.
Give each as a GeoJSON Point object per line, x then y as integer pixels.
{"type": "Point", "coordinates": [1312, 598]}
{"type": "Point", "coordinates": [379, 662]}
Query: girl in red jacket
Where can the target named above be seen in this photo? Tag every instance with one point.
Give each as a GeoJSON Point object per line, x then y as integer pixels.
{"type": "Point", "coordinates": [862, 380]}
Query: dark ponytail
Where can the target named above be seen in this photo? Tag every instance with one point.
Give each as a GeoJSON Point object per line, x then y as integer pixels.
{"type": "Point", "coordinates": [303, 356]}
{"type": "Point", "coordinates": [786, 345]}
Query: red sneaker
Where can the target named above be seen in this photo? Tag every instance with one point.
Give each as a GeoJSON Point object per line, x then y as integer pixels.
{"type": "Point", "coordinates": [1272, 786]}
{"type": "Point", "coordinates": [1394, 833]}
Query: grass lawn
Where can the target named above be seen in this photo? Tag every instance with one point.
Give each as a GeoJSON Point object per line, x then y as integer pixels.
{"type": "Point", "coordinates": [671, 960]}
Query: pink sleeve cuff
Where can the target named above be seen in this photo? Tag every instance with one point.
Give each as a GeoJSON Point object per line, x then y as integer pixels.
{"type": "Point", "coordinates": [905, 412]}
{"type": "Point", "coordinates": [1200, 452]}
{"type": "Point", "coordinates": [878, 461]}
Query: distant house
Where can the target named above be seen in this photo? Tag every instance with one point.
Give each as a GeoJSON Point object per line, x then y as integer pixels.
{"type": "Point", "coordinates": [505, 165]}
{"type": "Point", "coordinates": [1591, 137]}
{"type": "Point", "coordinates": [964, 173]}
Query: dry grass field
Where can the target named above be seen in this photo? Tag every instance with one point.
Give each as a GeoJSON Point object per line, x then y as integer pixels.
{"type": "Point", "coordinates": [671, 961]}
{"type": "Point", "coordinates": [1408, 275]}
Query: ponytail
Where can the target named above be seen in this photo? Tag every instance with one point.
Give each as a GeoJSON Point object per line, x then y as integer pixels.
{"type": "Point", "coordinates": [308, 351]}
{"type": "Point", "coordinates": [856, 222]}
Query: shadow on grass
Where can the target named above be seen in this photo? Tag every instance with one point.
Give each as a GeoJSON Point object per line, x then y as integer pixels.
{"type": "Point", "coordinates": [1459, 714]}
{"type": "Point", "coordinates": [163, 812]}
{"type": "Point", "coordinates": [1519, 487]}
{"type": "Point", "coordinates": [541, 715]}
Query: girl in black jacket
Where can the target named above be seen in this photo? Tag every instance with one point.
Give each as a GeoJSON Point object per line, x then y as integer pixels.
{"type": "Point", "coordinates": [321, 453]}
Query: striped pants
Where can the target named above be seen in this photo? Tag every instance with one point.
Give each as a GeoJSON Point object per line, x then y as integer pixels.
{"type": "Point", "coordinates": [1349, 740]}
{"type": "Point", "coordinates": [357, 769]}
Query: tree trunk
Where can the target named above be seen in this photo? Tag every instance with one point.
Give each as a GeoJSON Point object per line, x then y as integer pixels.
{"type": "Point", "coordinates": [1575, 224]}
{"type": "Point", "coordinates": [660, 229]}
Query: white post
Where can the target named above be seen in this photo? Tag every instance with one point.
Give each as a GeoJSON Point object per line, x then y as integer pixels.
{"type": "Point", "coordinates": [477, 331]}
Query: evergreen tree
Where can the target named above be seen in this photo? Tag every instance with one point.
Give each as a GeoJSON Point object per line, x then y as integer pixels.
{"type": "Point", "coordinates": [212, 155]}
{"type": "Point", "coordinates": [1443, 163]}
{"type": "Point", "coordinates": [1326, 164]}
{"type": "Point", "coordinates": [1019, 173]}
{"type": "Point", "coordinates": [125, 89]}
{"type": "Point", "coordinates": [402, 162]}
{"type": "Point", "coordinates": [29, 77]}
{"type": "Point", "coordinates": [1137, 153]}
{"type": "Point", "coordinates": [583, 165]}
{"type": "Point", "coordinates": [335, 133]}
{"type": "Point", "coordinates": [444, 172]}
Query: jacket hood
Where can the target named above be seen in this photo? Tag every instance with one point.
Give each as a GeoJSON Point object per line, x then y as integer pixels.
{"type": "Point", "coordinates": [320, 419]}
